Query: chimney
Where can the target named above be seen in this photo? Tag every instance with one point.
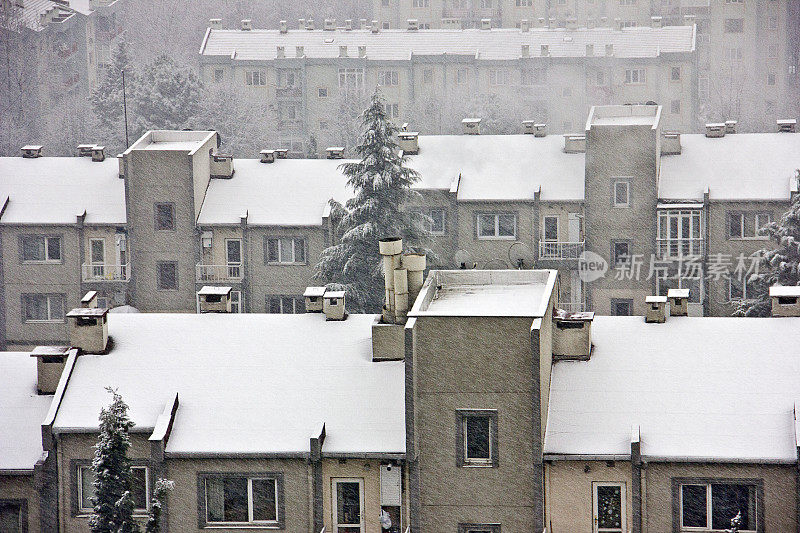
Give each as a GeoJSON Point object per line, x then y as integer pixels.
{"type": "Point", "coordinates": [670, 143]}
{"type": "Point", "coordinates": [301, 24]}
{"type": "Point", "coordinates": [545, 50]}
{"type": "Point", "coordinates": [215, 24]}
{"type": "Point", "coordinates": [589, 50]}
{"type": "Point", "coordinates": [362, 51]}
{"type": "Point", "coordinates": [572, 23]}
{"type": "Point", "coordinates": [335, 152]}
{"type": "Point", "coordinates": [574, 143]}
{"type": "Point", "coordinates": [486, 24]}
{"type": "Point", "coordinates": [89, 300]}
{"type": "Point", "coordinates": [656, 309]}
{"type": "Point", "coordinates": [526, 50]}
{"type": "Point", "coordinates": [572, 334]}
{"type": "Point", "coordinates": [284, 27]}
{"type": "Point", "coordinates": [375, 28]}
{"type": "Point", "coordinates": [343, 51]}
{"type": "Point", "coordinates": [609, 50]}
{"type": "Point", "coordinates": [85, 150]}
{"type": "Point", "coordinates": [221, 166]}
{"type": "Point", "coordinates": [787, 125]}
{"type": "Point", "coordinates": [280, 52]}
{"type": "Point", "coordinates": [282, 153]}
{"type": "Point", "coordinates": [98, 153]}
{"type": "Point", "coordinates": [247, 25]}
{"type": "Point", "coordinates": [88, 328]}
{"type": "Point", "coordinates": [656, 22]}
{"type": "Point", "coordinates": [604, 22]}
{"type": "Point", "coordinates": [214, 299]}
{"type": "Point", "coordinates": [32, 151]}
{"type": "Point", "coordinates": [330, 25]}
{"type": "Point", "coordinates": [400, 295]}
{"type": "Point", "coordinates": [50, 363]}
{"type": "Point", "coordinates": [267, 156]}
{"type": "Point", "coordinates": [715, 130]}
{"type": "Point", "coordinates": [348, 25]}
{"type": "Point", "coordinates": [121, 160]}
{"type": "Point", "coordinates": [309, 24]}
{"type": "Point", "coordinates": [333, 305]}
{"type": "Point", "coordinates": [678, 302]}
{"type": "Point", "coordinates": [527, 127]}
{"type": "Point", "coordinates": [391, 249]}
{"type": "Point", "coordinates": [299, 51]}
{"type": "Point", "coordinates": [540, 130]}
{"type": "Point", "coordinates": [471, 126]}
{"type": "Point", "coordinates": [362, 24]}
{"type": "Point", "coordinates": [785, 300]}
{"type": "Point", "coordinates": [591, 23]}
{"type": "Point", "coordinates": [415, 265]}
{"type": "Point", "coordinates": [617, 23]}
{"type": "Point", "coordinates": [408, 142]}
{"type": "Point", "coordinates": [313, 296]}
{"type": "Point", "coordinates": [551, 23]}
{"type": "Point", "coordinates": [524, 25]}
{"type": "Point", "coordinates": [730, 126]}
{"type": "Point", "coordinates": [688, 20]}
{"type": "Point", "coordinates": [413, 24]}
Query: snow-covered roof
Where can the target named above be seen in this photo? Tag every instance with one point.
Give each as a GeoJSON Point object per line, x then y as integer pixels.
{"type": "Point", "coordinates": [400, 44]}
{"type": "Point", "coordinates": [22, 412]}
{"type": "Point", "coordinates": [501, 167]}
{"type": "Point", "coordinates": [740, 166]}
{"type": "Point", "coordinates": [719, 389]}
{"type": "Point", "coordinates": [55, 190]}
{"type": "Point", "coordinates": [779, 291]}
{"type": "Point", "coordinates": [252, 383]}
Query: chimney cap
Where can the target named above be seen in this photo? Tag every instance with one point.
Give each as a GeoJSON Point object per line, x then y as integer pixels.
{"type": "Point", "coordinates": [655, 299]}
{"type": "Point", "coordinates": [786, 121]}
{"type": "Point", "coordinates": [89, 297]}
{"type": "Point", "coordinates": [50, 351]}
{"type": "Point", "coordinates": [471, 121]}
{"type": "Point", "coordinates": [781, 291]}
{"type": "Point", "coordinates": [407, 134]}
{"type": "Point", "coordinates": [333, 294]}
{"type": "Point", "coordinates": [314, 292]}
{"type": "Point", "coordinates": [214, 290]}
{"type": "Point", "coordinates": [678, 293]}
{"type": "Point", "coordinates": [91, 312]}
{"type": "Point", "coordinates": [35, 147]}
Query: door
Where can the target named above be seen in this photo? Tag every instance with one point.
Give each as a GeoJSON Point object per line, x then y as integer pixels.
{"type": "Point", "coordinates": [233, 257]}
{"type": "Point", "coordinates": [608, 507]}
{"type": "Point", "coordinates": [348, 505]}
{"type": "Point", "coordinates": [122, 255]}
{"type": "Point", "coordinates": [574, 227]}
{"type": "Point", "coordinates": [97, 257]}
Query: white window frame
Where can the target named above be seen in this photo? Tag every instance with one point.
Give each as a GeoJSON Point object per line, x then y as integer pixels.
{"type": "Point", "coordinates": [351, 81]}
{"type": "Point", "coordinates": [499, 77]}
{"type": "Point", "coordinates": [496, 235]}
{"type": "Point", "coordinates": [635, 76]}
{"type": "Point", "coordinates": [420, 3]}
{"type": "Point", "coordinates": [137, 511]}
{"type": "Point", "coordinates": [478, 461]}
{"type": "Point", "coordinates": [236, 302]}
{"type": "Point", "coordinates": [250, 520]}
{"type": "Point", "coordinates": [49, 299]}
{"type": "Point", "coordinates": [335, 504]}
{"type": "Point", "coordinates": [294, 241]}
{"type": "Point", "coordinates": [388, 78]}
{"type": "Point", "coordinates": [46, 239]}
{"type": "Point", "coordinates": [709, 509]}
{"type": "Point", "coordinates": [627, 183]}
{"type": "Point", "coordinates": [255, 78]}
{"type": "Point", "coordinates": [234, 267]}
{"type": "Point", "coordinates": [671, 246]}
{"type": "Point", "coordinates": [298, 304]}
{"type": "Point", "coordinates": [623, 511]}
{"type": "Point", "coordinates": [429, 224]}
{"type": "Point", "coordinates": [544, 228]}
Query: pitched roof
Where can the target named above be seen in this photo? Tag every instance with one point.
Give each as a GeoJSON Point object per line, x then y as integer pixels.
{"type": "Point", "coordinates": [22, 412]}
{"type": "Point", "coordinates": [699, 388]}
{"type": "Point", "coordinates": [639, 42]}
{"type": "Point", "coordinates": [249, 383]}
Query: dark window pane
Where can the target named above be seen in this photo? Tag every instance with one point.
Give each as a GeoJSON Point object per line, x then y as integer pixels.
{"type": "Point", "coordinates": [33, 249]}
{"type": "Point", "coordinates": [87, 487]}
{"type": "Point", "coordinates": [54, 248]}
{"type": "Point", "coordinates": [234, 251]}
{"type": "Point", "coordinates": [10, 517]}
{"type": "Point", "coordinates": [694, 506]}
{"type": "Point", "coordinates": [287, 304]}
{"type": "Point", "coordinates": [272, 250]}
{"type": "Point", "coordinates": [273, 305]}
{"type": "Point", "coordinates": [735, 225]}
{"type": "Point", "coordinates": [264, 504]}
{"type": "Point", "coordinates": [139, 487]}
{"type": "Point", "coordinates": [477, 437]}
{"type": "Point", "coordinates": [507, 226]}
{"type": "Point", "coordinates": [168, 276]}
{"type": "Point", "coordinates": [609, 507]}
{"type": "Point", "coordinates": [56, 307]}
{"type": "Point", "coordinates": [729, 500]}
{"type": "Point", "coordinates": [235, 491]}
{"type": "Point", "coordinates": [165, 217]}
{"type": "Point", "coordinates": [348, 503]}
{"type": "Point", "coordinates": [299, 250]}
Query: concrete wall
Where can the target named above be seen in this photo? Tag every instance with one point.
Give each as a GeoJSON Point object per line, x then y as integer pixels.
{"type": "Point", "coordinates": [21, 488]}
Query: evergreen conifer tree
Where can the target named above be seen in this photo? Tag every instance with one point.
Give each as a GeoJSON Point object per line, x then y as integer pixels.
{"type": "Point", "coordinates": [107, 99]}
{"type": "Point", "coordinates": [157, 504]}
{"type": "Point", "coordinates": [382, 183]}
{"type": "Point", "coordinates": [167, 96]}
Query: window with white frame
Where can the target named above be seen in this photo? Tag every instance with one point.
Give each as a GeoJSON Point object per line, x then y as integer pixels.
{"type": "Point", "coordinates": [628, 24]}
{"type": "Point", "coordinates": [595, 78]}
{"type": "Point", "coordinates": [236, 302]}
{"type": "Point", "coordinates": [477, 437]}
{"type": "Point", "coordinates": [747, 224]}
{"type": "Point", "coordinates": [388, 78]}
{"type": "Point", "coordinates": [679, 232]}
{"type": "Point", "coordinates": [427, 76]}
{"type": "Point", "coordinates": [627, 2]}
{"type": "Point", "coordinates": [550, 228]}
{"type": "Point", "coordinates": [621, 193]}
{"type": "Point", "coordinates": [620, 252]}
{"type": "Point", "coordinates": [524, 3]}
{"type": "Point", "coordinates": [733, 25]}
{"type": "Point", "coordinates": [392, 110]}
{"type": "Point", "coordinates": [436, 221]}
{"type": "Point", "coordinates": [534, 76]}
{"type": "Point", "coordinates": [285, 250]}
{"type": "Point", "coordinates": [741, 288]}
{"type": "Point", "coordinates": [675, 107]}
{"type": "Point", "coordinates": [711, 506]}
{"type": "Point", "coordinates": [257, 78]}
{"type": "Point", "coordinates": [497, 226]}
{"type": "Point", "coordinates": [241, 499]}
{"type": "Point", "coordinates": [635, 76]}
{"type": "Point", "coordinates": [41, 249]}
{"type": "Point", "coordinates": [285, 305]}
{"type": "Point", "coordinates": [675, 74]}
{"type": "Point", "coordinates": [420, 3]}
{"type": "Point", "coordinates": [140, 489]}
{"type": "Point", "coordinates": [43, 307]}
{"type": "Point", "coordinates": [486, 4]}
{"type": "Point", "coordinates": [287, 78]}
{"type": "Point", "coordinates": [734, 53]}
{"type": "Point", "coordinates": [499, 76]}
{"type": "Point", "coordinates": [351, 80]}
{"type": "Point", "coordinates": [461, 76]}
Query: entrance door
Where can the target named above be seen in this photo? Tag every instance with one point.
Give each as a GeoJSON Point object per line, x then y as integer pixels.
{"type": "Point", "coordinates": [608, 507]}
{"type": "Point", "coordinates": [574, 227]}
{"type": "Point", "coordinates": [348, 505]}
{"type": "Point", "coordinates": [233, 257]}
{"type": "Point", "coordinates": [97, 257]}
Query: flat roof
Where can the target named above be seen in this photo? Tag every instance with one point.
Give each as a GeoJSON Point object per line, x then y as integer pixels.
{"type": "Point", "coordinates": [172, 140]}
{"type": "Point", "coordinates": [719, 389]}
{"type": "Point", "coordinates": [213, 289]}
{"type": "Point", "coordinates": [624, 115]}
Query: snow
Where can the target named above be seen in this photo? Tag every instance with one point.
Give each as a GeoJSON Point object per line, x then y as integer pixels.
{"type": "Point", "coordinates": [55, 190]}
{"type": "Point", "coordinates": [400, 44]}
{"type": "Point", "coordinates": [739, 166]}
{"type": "Point", "coordinates": [22, 412]}
{"type": "Point", "coordinates": [784, 290]}
{"type": "Point", "coordinates": [699, 388]}
{"type": "Point", "coordinates": [248, 383]}
{"type": "Point", "coordinates": [214, 290]}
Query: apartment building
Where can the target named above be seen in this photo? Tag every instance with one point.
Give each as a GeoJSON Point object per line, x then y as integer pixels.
{"type": "Point", "coordinates": [314, 81]}
{"type": "Point", "coordinates": [747, 50]}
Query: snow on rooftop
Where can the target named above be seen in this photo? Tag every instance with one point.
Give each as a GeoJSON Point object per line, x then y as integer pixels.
{"type": "Point", "coordinates": [55, 190]}
{"type": "Point", "coordinates": [249, 383]}
{"type": "Point", "coordinates": [699, 388]}
{"type": "Point", "coordinates": [400, 44]}
{"type": "Point", "coordinates": [739, 166]}
{"type": "Point", "coordinates": [22, 412]}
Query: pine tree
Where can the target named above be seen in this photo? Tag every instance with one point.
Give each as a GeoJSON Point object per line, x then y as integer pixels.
{"type": "Point", "coordinates": [779, 266]}
{"type": "Point", "coordinates": [113, 502]}
{"type": "Point", "coordinates": [106, 99]}
{"type": "Point", "coordinates": [157, 505]}
{"type": "Point", "coordinates": [381, 182]}
{"type": "Point", "coordinates": [167, 96]}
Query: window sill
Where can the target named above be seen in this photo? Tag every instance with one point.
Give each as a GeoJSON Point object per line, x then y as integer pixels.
{"type": "Point", "coordinates": [42, 321]}
{"type": "Point", "coordinates": [626, 206]}
{"type": "Point", "coordinates": [241, 525]}
{"type": "Point", "coordinates": [759, 238]}
{"type": "Point", "coordinates": [275, 263]}
{"type": "Point", "coordinates": [477, 465]}
{"type": "Point", "coordinates": [496, 238]}
{"type": "Point", "coordinates": [47, 262]}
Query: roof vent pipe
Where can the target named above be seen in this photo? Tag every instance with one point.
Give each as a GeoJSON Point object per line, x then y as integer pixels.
{"type": "Point", "coordinates": [284, 26]}
{"type": "Point", "coordinates": [415, 265]}
{"type": "Point", "coordinates": [247, 25]}
{"type": "Point", "coordinates": [787, 125]}
{"type": "Point", "coordinates": [391, 250]}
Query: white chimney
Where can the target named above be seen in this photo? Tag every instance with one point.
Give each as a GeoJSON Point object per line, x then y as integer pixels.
{"type": "Point", "coordinates": [85, 150]}
{"type": "Point", "coordinates": [313, 296]}
{"type": "Point", "coordinates": [88, 329]}
{"type": "Point", "coordinates": [267, 156]}
{"type": "Point", "coordinates": [413, 24]}
{"type": "Point", "coordinates": [609, 50]}
{"type": "Point", "coordinates": [408, 142]}
{"type": "Point", "coordinates": [678, 302]}
{"type": "Point", "coordinates": [343, 51]}
{"type": "Point", "coordinates": [688, 20]}
{"type": "Point", "coordinates": [400, 295]}
{"type": "Point", "coordinates": [330, 25]}
{"type": "Point", "coordinates": [301, 24]}
{"type": "Point", "coordinates": [89, 300]}
{"type": "Point", "coordinates": [335, 152]}
{"type": "Point", "coordinates": [391, 250]}
{"type": "Point", "coordinates": [574, 143]}
{"type": "Point", "coordinates": [215, 24]}
{"type": "Point", "coordinates": [527, 127]}
{"type": "Point", "coordinates": [50, 363]}
{"type": "Point", "coordinates": [656, 22]}
{"type": "Point", "coordinates": [617, 23]}
{"type": "Point", "coordinates": [284, 26]}
{"type": "Point", "coordinates": [375, 28]}
{"type": "Point", "coordinates": [572, 335]}
{"type": "Point", "coordinates": [221, 166]}
{"type": "Point", "coordinates": [591, 23]}
{"type": "Point", "coordinates": [526, 50]}
{"type": "Point", "coordinates": [524, 25]}
{"type": "Point", "coordinates": [730, 126]}
{"type": "Point", "coordinates": [299, 51]}
{"type": "Point", "coordinates": [214, 299]}
{"type": "Point", "coordinates": [787, 125]}
{"type": "Point", "coordinates": [670, 143]}
{"type": "Point", "coordinates": [281, 52]}
{"type": "Point", "coordinates": [540, 22]}
{"type": "Point", "coordinates": [348, 25]}
{"type": "Point", "coordinates": [121, 161]}
{"type": "Point", "coordinates": [32, 151]}
{"type": "Point", "coordinates": [589, 50]}
{"type": "Point", "coordinates": [363, 24]}
{"type": "Point", "coordinates": [540, 130]}
{"type": "Point", "coordinates": [282, 153]}
{"type": "Point", "coordinates": [572, 23]}
{"type": "Point", "coordinates": [545, 50]}
{"type": "Point", "coordinates": [715, 130]}
{"type": "Point", "coordinates": [785, 300]}
{"type": "Point", "coordinates": [471, 126]}
{"type": "Point", "coordinates": [415, 266]}
{"type": "Point", "coordinates": [486, 24]}
{"type": "Point", "coordinates": [333, 305]}
{"type": "Point", "coordinates": [247, 25]}
{"type": "Point", "coordinates": [309, 24]}
{"type": "Point", "coordinates": [98, 153]}
{"type": "Point", "coordinates": [362, 51]}
{"type": "Point", "coordinates": [656, 309]}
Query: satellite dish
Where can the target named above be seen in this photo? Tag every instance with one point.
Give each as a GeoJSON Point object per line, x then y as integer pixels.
{"type": "Point", "coordinates": [495, 264]}
{"type": "Point", "coordinates": [464, 260]}
{"type": "Point", "coordinates": [520, 256]}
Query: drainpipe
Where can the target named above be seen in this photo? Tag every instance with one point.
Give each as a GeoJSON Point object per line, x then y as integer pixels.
{"type": "Point", "coordinates": [636, 480]}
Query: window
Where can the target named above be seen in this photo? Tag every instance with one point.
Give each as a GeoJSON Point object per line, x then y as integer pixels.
{"type": "Point", "coordinates": [627, 2]}
{"type": "Point", "coordinates": [477, 438]}
{"type": "Point", "coordinates": [702, 87]}
{"type": "Point", "coordinates": [550, 228]}
{"type": "Point", "coordinates": [140, 488]}
{"type": "Point", "coordinates": [287, 79]}
{"type": "Point", "coordinates": [486, 4]}
{"type": "Point", "coordinates": [351, 80]}
{"type": "Point", "coordinates": [534, 76]}
{"type": "Point", "coordinates": [233, 257]}
{"type": "Point", "coordinates": [497, 226]}
{"type": "Point", "coordinates": [566, 92]}
{"type": "Point", "coordinates": [771, 79]}
{"type": "Point", "coordinates": [242, 499]}
{"type": "Point", "coordinates": [628, 24]}
{"type": "Point", "coordinates": [524, 3]}
{"type": "Point", "coordinates": [746, 225]}
{"type": "Point", "coordinates": [323, 125]}
{"type": "Point", "coordinates": [285, 250]}
{"type": "Point", "coordinates": [608, 507]}
{"type": "Point", "coordinates": [621, 307]}
{"type": "Point", "coordinates": [14, 516]}
{"type": "Point", "coordinates": [165, 216]}
{"type": "Point", "coordinates": [635, 76]}
{"type": "Point", "coordinates": [620, 252]}
{"type": "Point", "coordinates": [436, 224]}
{"type": "Point", "coordinates": [461, 76]}
{"type": "Point", "coordinates": [392, 110]}
{"type": "Point", "coordinates": [322, 92]}
{"type": "Point", "coordinates": [478, 528]}
{"type": "Point", "coordinates": [711, 506]}
{"type": "Point", "coordinates": [285, 305]}
{"type": "Point", "coordinates": [675, 107]}
{"type": "Point", "coordinates": [388, 78]}
{"type": "Point", "coordinates": [427, 76]}
{"type": "Point", "coordinates": [41, 249]}
{"type": "Point", "coordinates": [675, 74]}
{"type": "Point", "coordinates": [255, 77]}
{"type": "Point", "coordinates": [679, 232]}
{"type": "Point", "coordinates": [236, 302]}
{"type": "Point", "coordinates": [385, 25]}
{"type": "Point", "coordinates": [734, 26]}
{"type": "Point", "coordinates": [167, 275]}
{"type": "Point", "coordinates": [218, 75]}
{"type": "Point", "coordinates": [420, 3]}
{"type": "Point", "coordinates": [498, 77]}
{"type": "Point", "coordinates": [595, 78]}
{"type": "Point", "coordinates": [740, 288]}
{"type": "Point", "coordinates": [622, 193]}
{"type": "Point", "coordinates": [43, 307]}
{"type": "Point", "coordinates": [287, 112]}
{"type": "Point", "coordinates": [734, 53]}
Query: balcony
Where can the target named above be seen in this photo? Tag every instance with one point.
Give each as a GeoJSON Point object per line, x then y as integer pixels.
{"type": "Point", "coordinates": [675, 248]}
{"type": "Point", "coordinates": [103, 272]}
{"type": "Point", "coordinates": [560, 251]}
{"type": "Point", "coordinates": [219, 273]}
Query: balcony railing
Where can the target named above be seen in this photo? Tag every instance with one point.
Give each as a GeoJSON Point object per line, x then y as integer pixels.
{"type": "Point", "coordinates": [104, 272]}
{"type": "Point", "coordinates": [674, 248]}
{"type": "Point", "coordinates": [560, 250]}
{"type": "Point", "coordinates": [213, 273]}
